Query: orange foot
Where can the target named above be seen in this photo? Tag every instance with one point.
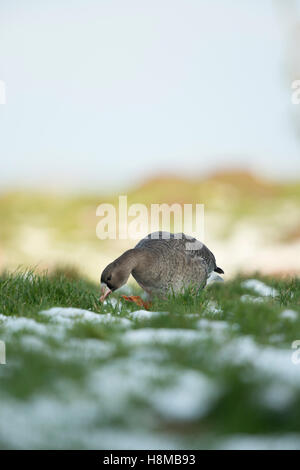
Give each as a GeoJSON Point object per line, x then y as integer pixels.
{"type": "Point", "coordinates": [138, 301]}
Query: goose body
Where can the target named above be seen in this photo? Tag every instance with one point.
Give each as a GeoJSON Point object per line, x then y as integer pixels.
{"type": "Point", "coordinates": [178, 261]}
{"type": "Point", "coordinates": [160, 263]}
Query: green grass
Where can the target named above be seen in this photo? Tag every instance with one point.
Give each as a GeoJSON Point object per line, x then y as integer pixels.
{"type": "Point", "coordinates": [86, 383]}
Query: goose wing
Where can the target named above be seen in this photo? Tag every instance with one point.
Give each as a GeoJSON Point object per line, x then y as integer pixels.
{"type": "Point", "coordinates": [195, 251]}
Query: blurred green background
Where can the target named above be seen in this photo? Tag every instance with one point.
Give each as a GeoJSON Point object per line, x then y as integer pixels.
{"type": "Point", "coordinates": [250, 224]}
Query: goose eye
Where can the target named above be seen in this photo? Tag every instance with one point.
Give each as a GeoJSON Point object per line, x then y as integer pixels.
{"type": "Point", "coordinates": [109, 278]}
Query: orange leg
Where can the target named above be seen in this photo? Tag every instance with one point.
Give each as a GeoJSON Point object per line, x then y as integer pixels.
{"type": "Point", "coordinates": [137, 300]}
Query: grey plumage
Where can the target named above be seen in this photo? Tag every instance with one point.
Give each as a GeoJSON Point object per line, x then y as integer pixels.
{"type": "Point", "coordinates": [160, 263]}
{"type": "Point", "coordinates": [178, 261]}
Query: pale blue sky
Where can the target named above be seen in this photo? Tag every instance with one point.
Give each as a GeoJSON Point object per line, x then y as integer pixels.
{"type": "Point", "coordinates": [103, 93]}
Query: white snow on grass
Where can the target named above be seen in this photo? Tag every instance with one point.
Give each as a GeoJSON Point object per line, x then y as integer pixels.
{"type": "Point", "coordinates": [213, 308]}
{"type": "Point", "coordinates": [63, 424]}
{"type": "Point", "coordinates": [259, 288]}
{"type": "Point", "coordinates": [85, 350]}
{"type": "Point", "coordinates": [144, 390]}
{"type": "Point", "coordinates": [148, 353]}
{"type": "Point", "coordinates": [144, 315]}
{"type": "Point", "coordinates": [213, 325]}
{"type": "Point", "coordinates": [33, 343]}
{"type": "Point", "coordinates": [267, 361]}
{"type": "Point", "coordinates": [60, 320]}
{"type": "Point", "coordinates": [14, 324]}
{"type": "Point", "coordinates": [73, 349]}
{"type": "Point", "coordinates": [289, 315]}
{"type": "Point", "coordinates": [111, 302]}
{"type": "Point", "coordinates": [217, 330]}
{"type": "Point", "coordinates": [121, 381]}
{"type": "Point", "coordinates": [190, 397]}
{"type": "Point", "coordinates": [174, 393]}
{"type": "Point", "coordinates": [71, 315]}
{"type": "Point", "coordinates": [76, 415]}
{"type": "Point", "coordinates": [192, 316]}
{"type": "Point", "coordinates": [161, 335]}
{"type": "Point", "coordinates": [251, 299]}
{"type": "Point", "coordinates": [277, 396]}
{"type": "Point", "coordinates": [277, 338]}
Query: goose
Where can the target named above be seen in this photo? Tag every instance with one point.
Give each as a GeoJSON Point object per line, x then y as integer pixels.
{"type": "Point", "coordinates": [161, 263]}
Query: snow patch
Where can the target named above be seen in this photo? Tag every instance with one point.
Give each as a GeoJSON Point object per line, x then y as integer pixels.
{"type": "Point", "coordinates": [86, 349]}
{"type": "Point", "coordinates": [189, 398]}
{"type": "Point", "coordinates": [15, 324]}
{"type": "Point", "coordinates": [32, 343]}
{"type": "Point", "coordinates": [72, 424]}
{"type": "Point", "coordinates": [277, 396]}
{"type": "Point", "coordinates": [144, 315]}
{"type": "Point", "coordinates": [213, 308]}
{"type": "Point", "coordinates": [161, 335]}
{"type": "Point", "coordinates": [259, 287]}
{"type": "Point", "coordinates": [289, 315]}
{"type": "Point", "coordinates": [111, 301]}
{"type": "Point", "coordinates": [267, 361]}
{"type": "Point", "coordinates": [251, 299]}
{"type": "Point", "coordinates": [73, 349]}
{"type": "Point", "coordinates": [69, 315]}
{"type": "Point", "coordinates": [175, 393]}
{"type": "Point", "coordinates": [213, 325]}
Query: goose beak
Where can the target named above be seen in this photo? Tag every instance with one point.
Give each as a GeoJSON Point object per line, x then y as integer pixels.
{"type": "Point", "coordinates": [105, 291]}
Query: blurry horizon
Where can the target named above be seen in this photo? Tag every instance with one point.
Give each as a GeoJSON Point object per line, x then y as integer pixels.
{"type": "Point", "coordinates": [105, 96]}
{"type": "Point", "coordinates": [235, 175]}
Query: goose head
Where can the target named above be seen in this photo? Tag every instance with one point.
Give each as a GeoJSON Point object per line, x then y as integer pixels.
{"type": "Point", "coordinates": [114, 276]}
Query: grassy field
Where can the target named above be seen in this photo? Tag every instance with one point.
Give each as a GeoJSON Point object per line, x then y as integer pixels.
{"type": "Point", "coordinates": [208, 371]}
